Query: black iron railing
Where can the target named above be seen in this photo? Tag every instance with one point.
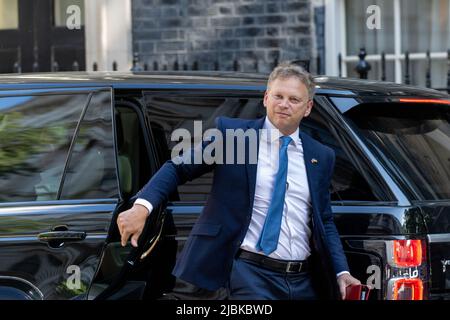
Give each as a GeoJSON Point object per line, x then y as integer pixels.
{"type": "Point", "coordinates": [216, 65]}
{"type": "Point", "coordinates": [157, 66]}
{"type": "Point", "coordinates": [363, 68]}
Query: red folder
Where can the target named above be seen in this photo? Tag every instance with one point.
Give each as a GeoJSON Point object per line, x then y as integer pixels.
{"type": "Point", "coordinates": [357, 292]}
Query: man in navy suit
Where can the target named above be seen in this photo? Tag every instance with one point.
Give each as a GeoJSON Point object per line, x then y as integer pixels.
{"type": "Point", "coordinates": [267, 226]}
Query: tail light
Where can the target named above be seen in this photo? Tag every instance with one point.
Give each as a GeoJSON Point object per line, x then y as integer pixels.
{"type": "Point", "coordinates": [406, 289]}
{"type": "Point", "coordinates": [406, 253]}
{"type": "Point", "coordinates": [415, 100]}
{"type": "Point", "coordinates": [406, 269]}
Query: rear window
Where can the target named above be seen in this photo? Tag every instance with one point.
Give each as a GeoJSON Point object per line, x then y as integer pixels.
{"type": "Point", "coordinates": [413, 142]}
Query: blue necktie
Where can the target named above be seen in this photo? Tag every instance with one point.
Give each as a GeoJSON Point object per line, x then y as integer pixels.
{"type": "Point", "coordinates": [270, 233]}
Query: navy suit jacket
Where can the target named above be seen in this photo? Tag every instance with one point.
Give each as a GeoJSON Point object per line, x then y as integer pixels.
{"type": "Point", "coordinates": [208, 254]}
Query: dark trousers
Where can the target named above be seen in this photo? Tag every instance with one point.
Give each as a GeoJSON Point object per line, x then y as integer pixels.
{"type": "Point", "coordinates": [249, 281]}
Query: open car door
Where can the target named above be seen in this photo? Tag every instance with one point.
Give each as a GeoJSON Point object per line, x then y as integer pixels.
{"type": "Point", "coordinates": [143, 272]}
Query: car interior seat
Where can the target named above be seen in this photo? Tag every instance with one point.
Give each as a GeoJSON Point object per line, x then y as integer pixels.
{"type": "Point", "coordinates": [123, 160]}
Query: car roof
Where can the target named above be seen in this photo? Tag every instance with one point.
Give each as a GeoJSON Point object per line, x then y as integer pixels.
{"type": "Point", "coordinates": [206, 80]}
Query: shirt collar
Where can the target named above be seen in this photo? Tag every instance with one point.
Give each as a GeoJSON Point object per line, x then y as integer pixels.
{"type": "Point", "coordinates": [274, 134]}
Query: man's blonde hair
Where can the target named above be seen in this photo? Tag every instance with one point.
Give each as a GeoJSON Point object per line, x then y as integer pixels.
{"type": "Point", "coordinates": [288, 69]}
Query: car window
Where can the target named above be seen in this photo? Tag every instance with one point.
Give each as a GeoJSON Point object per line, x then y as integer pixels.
{"type": "Point", "coordinates": [347, 184]}
{"type": "Point", "coordinates": [168, 113]}
{"type": "Point", "coordinates": [35, 135]}
{"type": "Point", "coordinates": [91, 170]}
{"type": "Point", "coordinates": [413, 141]}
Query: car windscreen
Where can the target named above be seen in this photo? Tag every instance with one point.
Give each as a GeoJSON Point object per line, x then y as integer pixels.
{"type": "Point", "coordinates": [412, 140]}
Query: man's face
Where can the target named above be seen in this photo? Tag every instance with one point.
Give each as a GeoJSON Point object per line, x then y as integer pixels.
{"type": "Point", "coordinates": [287, 103]}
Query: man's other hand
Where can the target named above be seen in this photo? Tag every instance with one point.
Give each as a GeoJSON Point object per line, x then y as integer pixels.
{"type": "Point", "coordinates": [131, 223]}
{"type": "Point", "coordinates": [345, 280]}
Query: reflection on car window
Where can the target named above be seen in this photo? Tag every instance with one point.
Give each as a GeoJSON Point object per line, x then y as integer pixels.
{"type": "Point", "coordinates": [168, 113]}
{"type": "Point", "coordinates": [413, 140]}
{"type": "Point", "coordinates": [347, 183]}
{"type": "Point", "coordinates": [35, 135]}
{"type": "Point", "coordinates": [91, 172]}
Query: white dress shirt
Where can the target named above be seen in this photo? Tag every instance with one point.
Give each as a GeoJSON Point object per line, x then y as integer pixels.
{"type": "Point", "coordinates": [293, 243]}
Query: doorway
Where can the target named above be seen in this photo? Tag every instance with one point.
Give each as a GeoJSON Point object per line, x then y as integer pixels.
{"type": "Point", "coordinates": [42, 35]}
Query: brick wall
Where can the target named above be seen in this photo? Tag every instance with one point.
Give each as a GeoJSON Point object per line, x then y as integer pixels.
{"type": "Point", "coordinates": [221, 31]}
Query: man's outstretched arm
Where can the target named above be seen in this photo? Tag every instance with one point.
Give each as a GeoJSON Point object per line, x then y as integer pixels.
{"type": "Point", "coordinates": [172, 174]}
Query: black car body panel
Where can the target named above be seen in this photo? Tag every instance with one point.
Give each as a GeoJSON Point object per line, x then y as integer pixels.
{"type": "Point", "coordinates": [376, 207]}
{"type": "Point", "coordinates": [46, 263]}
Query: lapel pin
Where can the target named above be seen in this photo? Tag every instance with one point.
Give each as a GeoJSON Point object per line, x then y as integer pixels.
{"type": "Point", "coordinates": [314, 161]}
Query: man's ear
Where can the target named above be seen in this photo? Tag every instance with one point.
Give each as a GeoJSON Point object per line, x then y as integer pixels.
{"type": "Point", "coordinates": [309, 107]}
{"type": "Point", "coordinates": [266, 97]}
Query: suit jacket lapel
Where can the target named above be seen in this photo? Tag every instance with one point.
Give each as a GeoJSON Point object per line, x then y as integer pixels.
{"type": "Point", "coordinates": [251, 168]}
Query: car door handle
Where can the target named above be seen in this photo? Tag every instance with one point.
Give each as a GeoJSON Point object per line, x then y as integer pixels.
{"type": "Point", "coordinates": [62, 236]}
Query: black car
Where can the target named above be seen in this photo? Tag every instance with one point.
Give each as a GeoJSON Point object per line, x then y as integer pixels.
{"type": "Point", "coordinates": [75, 147]}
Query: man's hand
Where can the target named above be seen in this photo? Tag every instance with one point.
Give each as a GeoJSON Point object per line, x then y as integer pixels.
{"type": "Point", "coordinates": [345, 280]}
{"type": "Point", "coordinates": [131, 223]}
